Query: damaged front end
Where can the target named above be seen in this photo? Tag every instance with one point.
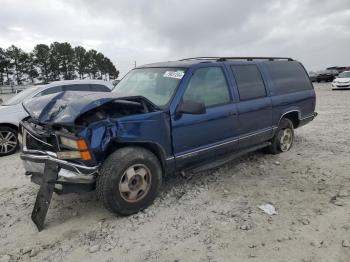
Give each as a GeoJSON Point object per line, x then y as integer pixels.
{"type": "Point", "coordinates": [65, 139]}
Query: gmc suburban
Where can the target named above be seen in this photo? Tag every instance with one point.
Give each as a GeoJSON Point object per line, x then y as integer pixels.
{"type": "Point", "coordinates": [161, 119]}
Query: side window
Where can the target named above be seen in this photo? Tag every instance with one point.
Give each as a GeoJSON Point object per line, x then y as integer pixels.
{"type": "Point", "coordinates": [288, 77]}
{"type": "Point", "coordinates": [77, 87]}
{"type": "Point", "coordinates": [208, 85]}
{"type": "Point", "coordinates": [50, 91]}
{"type": "Point", "coordinates": [99, 88]}
{"type": "Point", "coordinates": [249, 82]}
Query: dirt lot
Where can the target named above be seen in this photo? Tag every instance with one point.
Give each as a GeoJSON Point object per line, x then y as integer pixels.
{"type": "Point", "coordinates": [211, 216]}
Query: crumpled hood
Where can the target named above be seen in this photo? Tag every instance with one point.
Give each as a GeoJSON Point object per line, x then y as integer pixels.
{"type": "Point", "coordinates": [65, 107]}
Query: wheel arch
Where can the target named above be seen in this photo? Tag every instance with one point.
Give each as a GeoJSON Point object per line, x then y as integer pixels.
{"type": "Point", "coordinates": [10, 126]}
{"type": "Point", "coordinates": [293, 115]}
{"type": "Point", "coordinates": [156, 149]}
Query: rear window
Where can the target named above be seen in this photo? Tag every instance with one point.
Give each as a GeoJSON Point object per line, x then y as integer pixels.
{"type": "Point", "coordinates": [249, 82]}
{"type": "Point", "coordinates": [288, 77]}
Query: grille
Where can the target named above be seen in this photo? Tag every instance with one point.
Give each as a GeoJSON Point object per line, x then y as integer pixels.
{"type": "Point", "coordinates": [38, 143]}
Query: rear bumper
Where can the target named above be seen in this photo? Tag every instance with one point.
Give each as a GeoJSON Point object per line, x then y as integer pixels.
{"type": "Point", "coordinates": [307, 119]}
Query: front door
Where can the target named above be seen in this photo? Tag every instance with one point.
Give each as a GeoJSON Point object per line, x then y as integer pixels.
{"type": "Point", "coordinates": [202, 136]}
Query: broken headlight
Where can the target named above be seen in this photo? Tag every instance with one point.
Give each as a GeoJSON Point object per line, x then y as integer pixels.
{"type": "Point", "coordinates": [78, 145]}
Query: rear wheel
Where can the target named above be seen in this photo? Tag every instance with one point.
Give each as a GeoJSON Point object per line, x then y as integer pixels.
{"type": "Point", "coordinates": [129, 180]}
{"type": "Point", "coordinates": [284, 137]}
{"type": "Point", "coordinates": [8, 141]}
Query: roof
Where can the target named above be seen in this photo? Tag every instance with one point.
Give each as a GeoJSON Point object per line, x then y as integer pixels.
{"type": "Point", "coordinates": [184, 64]}
{"type": "Point", "coordinates": [188, 62]}
{"type": "Point", "coordinates": [74, 82]}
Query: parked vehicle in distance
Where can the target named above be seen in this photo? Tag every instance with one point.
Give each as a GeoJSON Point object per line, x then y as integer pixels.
{"type": "Point", "coordinates": [161, 119]}
{"type": "Point", "coordinates": [12, 111]}
{"type": "Point", "coordinates": [324, 76]}
{"type": "Point", "coordinates": [342, 81]}
{"type": "Point", "coordinates": [312, 76]}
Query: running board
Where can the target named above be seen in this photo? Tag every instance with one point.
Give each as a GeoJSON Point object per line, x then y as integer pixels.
{"type": "Point", "coordinates": [226, 159]}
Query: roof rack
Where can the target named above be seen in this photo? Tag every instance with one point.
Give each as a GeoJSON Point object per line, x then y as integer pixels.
{"type": "Point", "coordinates": [221, 59]}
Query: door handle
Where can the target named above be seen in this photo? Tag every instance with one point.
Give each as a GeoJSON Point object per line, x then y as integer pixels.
{"type": "Point", "coordinates": [232, 113]}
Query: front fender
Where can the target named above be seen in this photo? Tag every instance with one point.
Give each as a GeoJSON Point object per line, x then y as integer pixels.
{"type": "Point", "coordinates": [150, 130]}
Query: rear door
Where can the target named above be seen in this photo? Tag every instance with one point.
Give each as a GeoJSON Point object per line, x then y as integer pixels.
{"type": "Point", "coordinates": [199, 137]}
{"type": "Point", "coordinates": [254, 107]}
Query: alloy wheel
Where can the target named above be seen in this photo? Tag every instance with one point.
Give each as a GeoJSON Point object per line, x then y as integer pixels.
{"type": "Point", "coordinates": [286, 139]}
{"type": "Point", "coordinates": [8, 141]}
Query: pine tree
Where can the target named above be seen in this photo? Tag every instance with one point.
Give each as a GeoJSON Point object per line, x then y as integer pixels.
{"type": "Point", "coordinates": [52, 63]}
{"type": "Point", "coordinates": [2, 65]}
{"type": "Point", "coordinates": [30, 69]}
{"type": "Point", "coordinates": [18, 59]}
{"type": "Point", "coordinates": [81, 61]}
{"type": "Point", "coordinates": [41, 57]}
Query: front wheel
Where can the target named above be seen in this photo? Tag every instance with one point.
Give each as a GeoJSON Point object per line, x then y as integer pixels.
{"type": "Point", "coordinates": [8, 141]}
{"type": "Point", "coordinates": [284, 137]}
{"type": "Point", "coordinates": [129, 180]}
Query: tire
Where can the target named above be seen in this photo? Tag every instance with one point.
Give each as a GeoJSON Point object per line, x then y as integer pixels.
{"type": "Point", "coordinates": [283, 139]}
{"type": "Point", "coordinates": [129, 180]}
{"type": "Point", "coordinates": [8, 141]}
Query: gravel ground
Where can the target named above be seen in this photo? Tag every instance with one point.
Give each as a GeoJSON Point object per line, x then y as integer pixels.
{"type": "Point", "coordinates": [210, 216]}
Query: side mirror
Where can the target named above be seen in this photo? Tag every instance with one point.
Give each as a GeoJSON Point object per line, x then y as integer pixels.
{"type": "Point", "coordinates": [190, 107]}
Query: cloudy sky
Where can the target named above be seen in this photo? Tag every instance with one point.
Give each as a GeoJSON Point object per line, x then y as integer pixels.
{"type": "Point", "coordinates": [316, 32]}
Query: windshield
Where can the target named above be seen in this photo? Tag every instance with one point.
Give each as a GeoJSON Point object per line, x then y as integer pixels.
{"type": "Point", "coordinates": [344, 75]}
{"type": "Point", "coordinates": [20, 96]}
{"type": "Point", "coordinates": [156, 84]}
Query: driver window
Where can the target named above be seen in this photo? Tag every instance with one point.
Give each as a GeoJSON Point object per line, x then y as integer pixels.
{"type": "Point", "coordinates": [208, 86]}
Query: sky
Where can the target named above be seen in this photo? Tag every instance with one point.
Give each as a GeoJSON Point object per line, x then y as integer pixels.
{"type": "Point", "coordinates": [315, 32]}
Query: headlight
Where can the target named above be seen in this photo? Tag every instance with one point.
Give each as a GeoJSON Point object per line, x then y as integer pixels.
{"type": "Point", "coordinates": [69, 155]}
{"type": "Point", "coordinates": [80, 149]}
{"type": "Point", "coordinates": [79, 144]}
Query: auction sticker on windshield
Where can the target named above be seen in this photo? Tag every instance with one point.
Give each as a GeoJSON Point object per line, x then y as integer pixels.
{"type": "Point", "coordinates": [174, 74]}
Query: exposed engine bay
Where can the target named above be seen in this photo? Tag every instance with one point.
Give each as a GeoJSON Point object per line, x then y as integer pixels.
{"type": "Point", "coordinates": [74, 112]}
{"type": "Point", "coordinates": [115, 109]}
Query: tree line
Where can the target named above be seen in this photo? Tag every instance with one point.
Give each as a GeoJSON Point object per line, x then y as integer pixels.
{"type": "Point", "coordinates": [55, 62]}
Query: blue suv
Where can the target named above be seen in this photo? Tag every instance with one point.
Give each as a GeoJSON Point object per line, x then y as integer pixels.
{"type": "Point", "coordinates": [163, 118]}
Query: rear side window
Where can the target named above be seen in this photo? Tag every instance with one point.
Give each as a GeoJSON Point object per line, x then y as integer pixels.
{"type": "Point", "coordinates": [50, 90]}
{"type": "Point", "coordinates": [249, 82]}
{"type": "Point", "coordinates": [77, 87]}
{"type": "Point", "coordinates": [288, 77]}
{"type": "Point", "coordinates": [208, 85]}
{"type": "Point", "coordinates": [99, 88]}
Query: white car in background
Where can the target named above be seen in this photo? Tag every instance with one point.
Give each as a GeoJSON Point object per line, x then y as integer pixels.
{"type": "Point", "coordinates": [342, 81]}
{"type": "Point", "coordinates": [12, 111]}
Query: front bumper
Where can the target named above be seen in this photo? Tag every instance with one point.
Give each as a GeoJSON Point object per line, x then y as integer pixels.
{"type": "Point", "coordinates": [340, 86]}
{"type": "Point", "coordinates": [71, 177]}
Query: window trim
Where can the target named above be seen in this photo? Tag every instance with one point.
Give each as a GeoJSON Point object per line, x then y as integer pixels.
{"type": "Point", "coordinates": [226, 81]}
{"type": "Point", "coordinates": [262, 80]}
